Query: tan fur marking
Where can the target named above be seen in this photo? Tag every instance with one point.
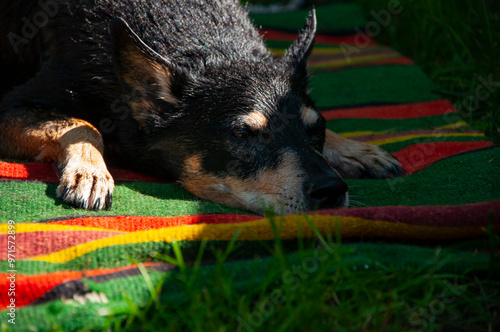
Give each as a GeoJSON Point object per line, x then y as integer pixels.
{"type": "Point", "coordinates": [76, 145]}
{"type": "Point", "coordinates": [43, 141]}
{"type": "Point", "coordinates": [164, 79]}
{"type": "Point", "coordinates": [255, 120]}
{"type": "Point", "coordinates": [145, 72]}
{"type": "Point", "coordinates": [352, 159]}
{"type": "Point", "coordinates": [309, 116]}
{"type": "Point", "coordinates": [332, 140]}
{"type": "Point", "coordinates": [280, 188]}
{"type": "Point", "coordinates": [141, 110]}
{"type": "Point", "coordinates": [196, 181]}
{"type": "Point", "coordinates": [84, 169]}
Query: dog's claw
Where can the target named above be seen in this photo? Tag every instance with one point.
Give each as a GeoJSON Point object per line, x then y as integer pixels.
{"type": "Point", "coordinates": [97, 204]}
{"type": "Point", "coordinates": [399, 170]}
{"type": "Point", "coordinates": [65, 193]}
{"type": "Point", "coordinates": [109, 201]}
{"type": "Point", "coordinates": [396, 170]}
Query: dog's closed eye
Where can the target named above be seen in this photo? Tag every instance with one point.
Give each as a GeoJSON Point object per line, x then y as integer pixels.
{"type": "Point", "coordinates": [241, 133]}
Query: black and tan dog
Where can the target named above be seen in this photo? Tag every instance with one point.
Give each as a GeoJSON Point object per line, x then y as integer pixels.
{"type": "Point", "coordinates": [184, 89]}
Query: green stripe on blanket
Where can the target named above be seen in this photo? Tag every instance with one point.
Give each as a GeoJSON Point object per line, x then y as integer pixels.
{"type": "Point", "coordinates": [381, 85]}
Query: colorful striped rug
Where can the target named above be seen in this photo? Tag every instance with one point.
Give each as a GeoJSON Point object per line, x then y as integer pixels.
{"type": "Point", "coordinates": [72, 267]}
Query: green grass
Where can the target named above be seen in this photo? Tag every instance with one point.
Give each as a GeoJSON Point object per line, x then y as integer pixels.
{"type": "Point", "coordinates": [327, 286]}
{"type": "Point", "coordinates": [457, 44]}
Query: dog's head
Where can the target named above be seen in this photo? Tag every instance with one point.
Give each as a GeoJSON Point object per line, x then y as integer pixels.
{"type": "Point", "coordinates": [240, 131]}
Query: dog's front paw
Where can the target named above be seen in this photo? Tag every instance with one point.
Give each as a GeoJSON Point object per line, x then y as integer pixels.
{"type": "Point", "coordinates": [355, 160]}
{"type": "Point", "coordinates": [86, 184]}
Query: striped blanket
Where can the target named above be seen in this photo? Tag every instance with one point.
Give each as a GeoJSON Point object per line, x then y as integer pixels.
{"type": "Point", "coordinates": [70, 267]}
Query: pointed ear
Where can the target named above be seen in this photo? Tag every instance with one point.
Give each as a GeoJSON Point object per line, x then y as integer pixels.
{"type": "Point", "coordinates": [145, 75]}
{"type": "Point", "coordinates": [296, 56]}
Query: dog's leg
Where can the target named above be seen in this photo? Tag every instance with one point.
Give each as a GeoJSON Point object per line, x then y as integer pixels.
{"type": "Point", "coordinates": [75, 144]}
{"type": "Point", "coordinates": [354, 159]}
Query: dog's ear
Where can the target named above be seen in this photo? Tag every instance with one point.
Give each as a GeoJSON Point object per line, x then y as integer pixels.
{"type": "Point", "coordinates": [296, 56]}
{"type": "Point", "coordinates": [146, 76]}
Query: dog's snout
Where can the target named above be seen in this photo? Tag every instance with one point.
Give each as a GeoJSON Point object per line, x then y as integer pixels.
{"type": "Point", "coordinates": [328, 193]}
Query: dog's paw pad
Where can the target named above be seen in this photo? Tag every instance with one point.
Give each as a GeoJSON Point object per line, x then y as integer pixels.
{"type": "Point", "coordinates": [87, 187]}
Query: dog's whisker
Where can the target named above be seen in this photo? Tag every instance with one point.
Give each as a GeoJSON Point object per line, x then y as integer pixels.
{"type": "Point", "coordinates": [354, 203]}
{"type": "Point", "coordinates": [275, 185]}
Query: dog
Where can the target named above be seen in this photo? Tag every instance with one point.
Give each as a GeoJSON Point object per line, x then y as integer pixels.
{"type": "Point", "coordinates": [183, 89]}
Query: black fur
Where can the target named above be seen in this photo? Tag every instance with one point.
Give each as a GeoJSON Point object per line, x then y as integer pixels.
{"type": "Point", "coordinates": [87, 62]}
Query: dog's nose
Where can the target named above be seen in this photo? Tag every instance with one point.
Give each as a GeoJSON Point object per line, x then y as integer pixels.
{"type": "Point", "coordinates": [328, 194]}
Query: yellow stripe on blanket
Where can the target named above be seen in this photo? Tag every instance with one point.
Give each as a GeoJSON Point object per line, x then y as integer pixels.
{"type": "Point", "coordinates": [455, 125]}
{"type": "Point", "coordinates": [362, 133]}
{"type": "Point", "coordinates": [288, 227]}
{"type": "Point", "coordinates": [29, 228]}
{"type": "Point", "coordinates": [409, 137]}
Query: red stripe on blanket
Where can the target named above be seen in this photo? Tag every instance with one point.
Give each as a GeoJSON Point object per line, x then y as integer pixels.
{"type": "Point", "coordinates": [138, 223]}
{"type": "Point", "coordinates": [468, 215]}
{"type": "Point", "coordinates": [418, 156]}
{"type": "Point", "coordinates": [406, 111]}
{"type": "Point", "coordinates": [28, 171]}
{"type": "Point", "coordinates": [47, 173]}
{"type": "Point", "coordinates": [31, 287]}
{"type": "Point", "coordinates": [125, 175]}
{"type": "Point", "coordinates": [357, 39]}
{"type": "Point", "coordinates": [43, 243]}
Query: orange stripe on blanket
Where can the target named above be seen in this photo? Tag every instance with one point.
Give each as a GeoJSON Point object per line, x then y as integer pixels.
{"type": "Point", "coordinates": [417, 157]}
{"type": "Point", "coordinates": [31, 287]}
{"type": "Point", "coordinates": [323, 39]}
{"type": "Point", "coordinates": [289, 227]}
{"type": "Point", "coordinates": [406, 111]}
{"type": "Point", "coordinates": [124, 223]}
{"type": "Point", "coordinates": [138, 223]}
{"type": "Point", "coordinates": [48, 173]}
